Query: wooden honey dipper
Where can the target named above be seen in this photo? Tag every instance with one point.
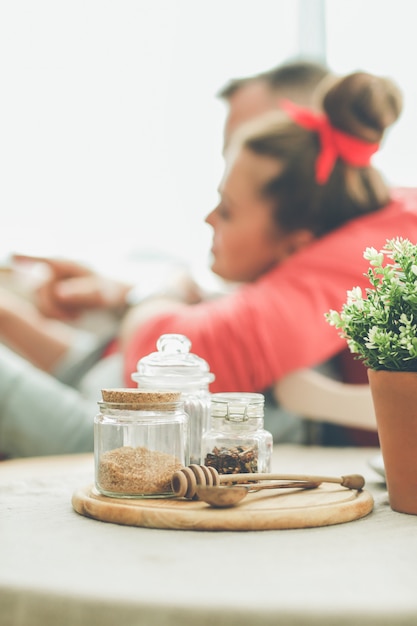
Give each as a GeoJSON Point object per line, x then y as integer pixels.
{"type": "Point", "coordinates": [185, 481]}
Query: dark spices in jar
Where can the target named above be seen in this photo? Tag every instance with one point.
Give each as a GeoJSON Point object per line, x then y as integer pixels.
{"type": "Point", "coordinates": [235, 460]}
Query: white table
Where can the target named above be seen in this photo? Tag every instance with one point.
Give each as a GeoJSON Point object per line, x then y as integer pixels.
{"type": "Point", "coordinates": [58, 568]}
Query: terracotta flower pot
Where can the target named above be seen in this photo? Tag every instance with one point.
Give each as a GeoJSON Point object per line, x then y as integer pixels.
{"type": "Point", "coordinates": [394, 396]}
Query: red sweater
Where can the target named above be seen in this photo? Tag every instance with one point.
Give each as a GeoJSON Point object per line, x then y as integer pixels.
{"type": "Point", "coordinates": [266, 329]}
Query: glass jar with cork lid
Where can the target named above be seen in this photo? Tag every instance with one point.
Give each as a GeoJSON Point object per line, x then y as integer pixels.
{"type": "Point", "coordinates": [237, 442]}
{"type": "Point", "coordinates": [140, 440]}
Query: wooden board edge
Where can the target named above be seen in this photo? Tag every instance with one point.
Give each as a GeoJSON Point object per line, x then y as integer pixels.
{"type": "Point", "coordinates": [209, 519]}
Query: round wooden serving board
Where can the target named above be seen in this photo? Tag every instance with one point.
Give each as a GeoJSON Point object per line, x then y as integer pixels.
{"type": "Point", "coordinates": [263, 510]}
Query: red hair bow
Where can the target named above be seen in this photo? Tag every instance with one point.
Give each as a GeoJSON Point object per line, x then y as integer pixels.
{"type": "Point", "coordinates": [334, 143]}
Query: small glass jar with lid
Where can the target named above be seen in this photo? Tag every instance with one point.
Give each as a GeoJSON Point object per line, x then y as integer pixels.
{"type": "Point", "coordinates": [140, 440]}
{"type": "Point", "coordinates": [237, 442]}
{"type": "Point", "coordinates": [174, 367]}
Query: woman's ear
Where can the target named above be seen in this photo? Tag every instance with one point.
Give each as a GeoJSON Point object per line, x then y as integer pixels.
{"type": "Point", "coordinates": [298, 239]}
{"type": "Point", "coordinates": [289, 243]}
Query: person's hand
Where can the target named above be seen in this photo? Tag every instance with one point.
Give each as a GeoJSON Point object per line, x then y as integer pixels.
{"type": "Point", "coordinates": [9, 302]}
{"type": "Point", "coordinates": [70, 289]}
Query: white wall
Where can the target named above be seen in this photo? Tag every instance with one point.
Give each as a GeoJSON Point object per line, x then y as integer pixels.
{"type": "Point", "coordinates": [110, 127]}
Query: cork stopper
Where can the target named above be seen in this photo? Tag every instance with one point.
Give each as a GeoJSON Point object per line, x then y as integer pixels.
{"type": "Point", "coordinates": [138, 398]}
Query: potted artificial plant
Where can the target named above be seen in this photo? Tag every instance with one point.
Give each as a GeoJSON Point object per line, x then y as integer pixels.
{"type": "Point", "coordinates": [380, 327]}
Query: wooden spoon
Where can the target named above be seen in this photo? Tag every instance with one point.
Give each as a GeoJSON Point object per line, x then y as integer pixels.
{"type": "Point", "coordinates": [185, 481]}
{"type": "Point", "coordinates": [223, 497]}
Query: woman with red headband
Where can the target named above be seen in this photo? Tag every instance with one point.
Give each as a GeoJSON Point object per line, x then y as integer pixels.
{"type": "Point", "coordinates": [300, 201]}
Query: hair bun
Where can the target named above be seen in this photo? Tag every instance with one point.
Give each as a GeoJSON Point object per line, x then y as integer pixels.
{"type": "Point", "coordinates": [363, 105]}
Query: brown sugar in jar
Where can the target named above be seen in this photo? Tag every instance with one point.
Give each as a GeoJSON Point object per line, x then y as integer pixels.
{"type": "Point", "coordinates": [140, 440]}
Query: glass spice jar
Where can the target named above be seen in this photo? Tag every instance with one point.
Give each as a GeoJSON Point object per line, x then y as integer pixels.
{"type": "Point", "coordinates": [237, 442]}
{"type": "Point", "coordinates": [140, 440]}
{"type": "Point", "coordinates": [174, 367]}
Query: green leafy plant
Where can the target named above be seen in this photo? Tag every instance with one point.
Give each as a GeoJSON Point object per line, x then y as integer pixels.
{"type": "Point", "coordinates": [381, 327]}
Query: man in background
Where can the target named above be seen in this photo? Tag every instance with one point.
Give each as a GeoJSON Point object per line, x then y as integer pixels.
{"type": "Point", "coordinates": [249, 97]}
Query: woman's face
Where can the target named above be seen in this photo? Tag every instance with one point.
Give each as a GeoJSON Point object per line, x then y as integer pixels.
{"type": "Point", "coordinates": [246, 240]}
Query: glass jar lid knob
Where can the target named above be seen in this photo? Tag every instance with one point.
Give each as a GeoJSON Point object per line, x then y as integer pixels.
{"type": "Point", "coordinates": [172, 343]}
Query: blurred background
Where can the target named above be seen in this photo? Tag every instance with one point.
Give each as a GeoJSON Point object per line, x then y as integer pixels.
{"type": "Point", "coordinates": [110, 128]}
